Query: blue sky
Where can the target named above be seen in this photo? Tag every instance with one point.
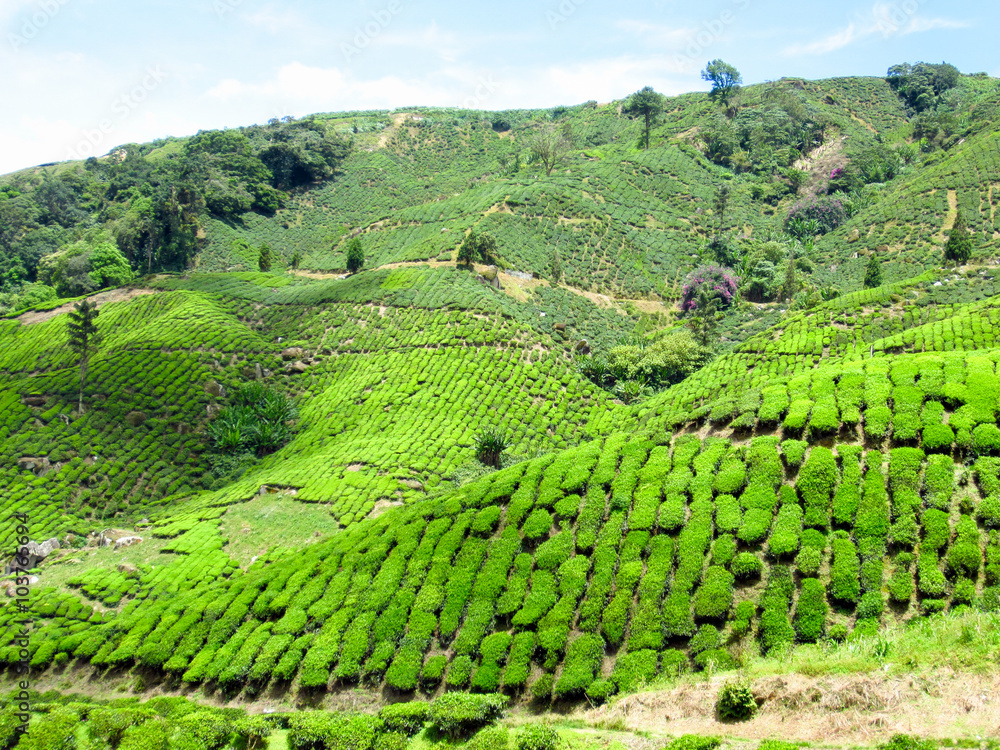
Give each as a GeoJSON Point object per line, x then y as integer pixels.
{"type": "Point", "coordinates": [82, 76]}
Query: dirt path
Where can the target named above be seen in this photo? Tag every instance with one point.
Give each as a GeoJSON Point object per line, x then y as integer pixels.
{"type": "Point", "coordinates": [113, 295]}
{"type": "Point", "coordinates": [517, 287]}
{"type": "Point", "coordinates": [834, 709]}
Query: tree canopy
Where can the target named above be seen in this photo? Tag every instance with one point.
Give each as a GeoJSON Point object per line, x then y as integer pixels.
{"type": "Point", "coordinates": [725, 79]}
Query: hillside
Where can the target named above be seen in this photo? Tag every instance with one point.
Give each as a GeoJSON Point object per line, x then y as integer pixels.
{"type": "Point", "coordinates": [817, 496]}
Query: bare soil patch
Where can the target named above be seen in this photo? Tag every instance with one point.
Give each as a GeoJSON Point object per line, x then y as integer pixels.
{"type": "Point", "coordinates": [113, 295]}
{"type": "Point", "coordinates": [831, 709]}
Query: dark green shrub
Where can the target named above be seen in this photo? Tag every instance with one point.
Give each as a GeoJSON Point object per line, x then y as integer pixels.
{"type": "Point", "coordinates": [321, 730]}
{"type": "Point", "coordinates": [735, 702]}
{"type": "Point", "coordinates": [707, 637]}
{"type": "Point", "coordinates": [459, 714]}
{"type": "Point", "coordinates": [491, 444]}
{"type": "Point", "coordinates": [536, 737]}
{"type": "Point", "coordinates": [989, 511]}
{"type": "Point", "coordinates": [408, 717]}
{"type": "Point", "coordinates": [252, 732]}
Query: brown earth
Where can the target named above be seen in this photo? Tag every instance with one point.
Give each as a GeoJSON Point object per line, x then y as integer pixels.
{"type": "Point", "coordinates": [113, 295]}
{"type": "Point", "coordinates": [832, 709]}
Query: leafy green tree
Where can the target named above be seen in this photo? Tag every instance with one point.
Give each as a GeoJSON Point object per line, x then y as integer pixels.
{"type": "Point", "coordinates": [725, 80]}
{"type": "Point", "coordinates": [791, 284]}
{"type": "Point", "coordinates": [355, 255]}
{"type": "Point", "coordinates": [108, 267]}
{"type": "Point", "coordinates": [959, 245]}
{"type": "Point", "coordinates": [84, 338]}
{"type": "Point", "coordinates": [264, 258]}
{"type": "Point", "coordinates": [647, 104]}
{"type": "Point", "coordinates": [704, 319]}
{"type": "Point", "coordinates": [296, 260]}
{"type": "Point", "coordinates": [873, 272]}
{"type": "Point", "coordinates": [468, 251]}
{"type": "Point", "coordinates": [557, 269]}
{"type": "Point", "coordinates": [549, 145]}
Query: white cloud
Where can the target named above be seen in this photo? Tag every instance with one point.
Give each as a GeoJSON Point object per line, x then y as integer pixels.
{"type": "Point", "coordinates": [885, 19]}
{"type": "Point", "coordinates": [670, 36]}
{"type": "Point", "coordinates": [276, 20]}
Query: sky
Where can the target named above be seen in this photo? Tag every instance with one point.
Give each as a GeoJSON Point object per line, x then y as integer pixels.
{"type": "Point", "coordinates": [79, 77]}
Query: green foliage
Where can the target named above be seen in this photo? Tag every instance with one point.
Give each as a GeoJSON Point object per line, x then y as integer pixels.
{"type": "Point", "coordinates": [491, 444]}
{"type": "Point", "coordinates": [355, 255]}
{"type": "Point", "coordinates": [873, 272]}
{"type": "Point", "coordinates": [647, 104]}
{"type": "Point", "coordinates": [725, 80]}
{"type": "Point", "coordinates": [460, 714]}
{"type": "Point", "coordinates": [255, 421]}
{"type": "Point", "coordinates": [958, 248]}
{"type": "Point", "coordinates": [735, 702]}
{"type": "Point", "coordinates": [536, 737]}
{"type": "Point", "coordinates": [693, 742]}
{"type": "Point", "coordinates": [408, 717]}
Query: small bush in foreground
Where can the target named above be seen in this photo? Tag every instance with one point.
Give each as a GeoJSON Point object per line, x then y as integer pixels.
{"type": "Point", "coordinates": [537, 737]}
{"type": "Point", "coordinates": [735, 702]}
{"type": "Point", "coordinates": [693, 742]}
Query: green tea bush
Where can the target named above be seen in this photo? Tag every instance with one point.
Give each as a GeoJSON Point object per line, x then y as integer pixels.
{"type": "Point", "coordinates": [715, 595]}
{"type": "Point", "coordinates": [541, 689]}
{"type": "Point", "coordinates": [743, 615]}
{"type": "Point", "coordinates": [408, 717]}
{"type": "Point", "coordinates": [490, 738]}
{"type": "Point", "coordinates": [634, 669]}
{"type": "Point", "coordinates": [583, 660]}
{"type": "Point", "coordinates": [459, 714]}
{"type": "Point", "coordinates": [536, 737]}
{"type": "Point", "coordinates": [811, 611]}
{"type": "Point", "coordinates": [693, 742]}
{"type": "Point", "coordinates": [816, 484]}
{"type": "Point", "coordinates": [746, 565]}
{"type": "Point", "coordinates": [964, 556]}
{"type": "Point", "coordinates": [986, 440]}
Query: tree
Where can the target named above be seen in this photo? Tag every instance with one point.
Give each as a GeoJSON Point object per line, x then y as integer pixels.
{"type": "Point", "coordinates": [264, 258]}
{"type": "Point", "coordinates": [791, 285]}
{"type": "Point", "coordinates": [725, 80]}
{"type": "Point", "coordinates": [549, 145]}
{"type": "Point", "coordinates": [468, 251]}
{"type": "Point", "coordinates": [557, 269]}
{"type": "Point", "coordinates": [355, 256]}
{"type": "Point", "coordinates": [648, 104]}
{"type": "Point", "coordinates": [296, 260]}
{"type": "Point", "coordinates": [704, 319]}
{"type": "Point", "coordinates": [959, 245]}
{"type": "Point", "coordinates": [873, 273]}
{"type": "Point", "coordinates": [84, 338]}
{"type": "Point", "coordinates": [477, 247]}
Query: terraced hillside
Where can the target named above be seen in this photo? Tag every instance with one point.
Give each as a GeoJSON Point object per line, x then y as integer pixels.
{"type": "Point", "coordinates": [831, 476]}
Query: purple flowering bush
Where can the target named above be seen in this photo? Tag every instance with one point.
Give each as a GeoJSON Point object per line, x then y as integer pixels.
{"type": "Point", "coordinates": [828, 213]}
{"type": "Point", "coordinates": [719, 279]}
